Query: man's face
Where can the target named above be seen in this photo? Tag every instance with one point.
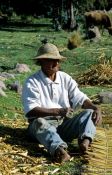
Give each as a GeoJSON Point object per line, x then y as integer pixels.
{"type": "Point", "coordinates": [49, 66]}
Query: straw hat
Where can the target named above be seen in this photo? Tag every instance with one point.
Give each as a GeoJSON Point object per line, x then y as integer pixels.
{"type": "Point", "coordinates": [49, 51]}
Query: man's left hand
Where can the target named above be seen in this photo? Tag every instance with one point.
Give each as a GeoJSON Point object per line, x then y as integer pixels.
{"type": "Point", "coordinates": [96, 117]}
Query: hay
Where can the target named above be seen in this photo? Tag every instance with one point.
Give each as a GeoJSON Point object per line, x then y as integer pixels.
{"type": "Point", "coordinates": [18, 155]}
{"type": "Point", "coordinates": [99, 158]}
{"type": "Point", "coordinates": [74, 41]}
{"type": "Point", "coordinates": [15, 148]}
{"type": "Point", "coordinates": [99, 74]}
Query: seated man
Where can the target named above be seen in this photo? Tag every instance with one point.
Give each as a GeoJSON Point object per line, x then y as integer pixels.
{"type": "Point", "coordinates": [48, 97]}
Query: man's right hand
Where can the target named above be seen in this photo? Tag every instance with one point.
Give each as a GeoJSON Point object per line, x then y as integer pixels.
{"type": "Point", "coordinates": [66, 112]}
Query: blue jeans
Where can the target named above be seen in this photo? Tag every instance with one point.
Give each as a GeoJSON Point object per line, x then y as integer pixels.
{"type": "Point", "coordinates": [52, 136]}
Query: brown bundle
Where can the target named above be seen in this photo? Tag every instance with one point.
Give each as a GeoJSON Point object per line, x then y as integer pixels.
{"type": "Point", "coordinates": [97, 75]}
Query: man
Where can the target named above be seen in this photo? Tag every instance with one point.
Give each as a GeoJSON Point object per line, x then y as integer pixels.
{"type": "Point", "coordinates": [49, 96]}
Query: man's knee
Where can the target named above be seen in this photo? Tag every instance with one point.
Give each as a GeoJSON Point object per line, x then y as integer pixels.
{"type": "Point", "coordinates": [41, 123]}
{"type": "Point", "coordinates": [86, 115]}
{"type": "Point", "coordinates": [89, 111]}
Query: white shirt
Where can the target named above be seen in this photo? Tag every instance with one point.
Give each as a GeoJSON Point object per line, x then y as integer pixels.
{"type": "Point", "coordinates": [40, 91]}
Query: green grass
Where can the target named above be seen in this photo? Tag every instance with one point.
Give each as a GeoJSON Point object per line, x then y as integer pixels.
{"type": "Point", "coordinates": [94, 90]}
{"type": "Point", "coordinates": [20, 45]}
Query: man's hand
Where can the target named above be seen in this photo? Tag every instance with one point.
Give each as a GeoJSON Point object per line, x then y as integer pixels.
{"type": "Point", "coordinates": [66, 112]}
{"type": "Point", "coordinates": [96, 117]}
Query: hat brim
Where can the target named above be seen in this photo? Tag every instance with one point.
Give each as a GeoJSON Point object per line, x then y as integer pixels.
{"type": "Point", "coordinates": [50, 56]}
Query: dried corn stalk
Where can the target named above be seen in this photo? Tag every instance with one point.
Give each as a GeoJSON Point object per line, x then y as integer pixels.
{"type": "Point", "coordinates": [99, 156]}
{"type": "Point", "coordinates": [97, 75]}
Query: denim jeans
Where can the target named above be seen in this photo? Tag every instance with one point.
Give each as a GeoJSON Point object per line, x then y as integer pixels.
{"type": "Point", "coordinates": [52, 136]}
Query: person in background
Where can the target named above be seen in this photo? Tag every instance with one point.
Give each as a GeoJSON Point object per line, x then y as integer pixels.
{"type": "Point", "coordinates": [49, 96]}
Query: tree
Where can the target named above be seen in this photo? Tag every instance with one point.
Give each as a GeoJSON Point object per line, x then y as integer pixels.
{"type": "Point", "coordinates": [67, 20]}
{"type": "Point", "coordinates": [71, 23]}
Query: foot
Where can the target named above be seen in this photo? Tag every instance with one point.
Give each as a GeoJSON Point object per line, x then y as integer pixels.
{"type": "Point", "coordinates": [84, 144]}
{"type": "Point", "coordinates": [61, 155]}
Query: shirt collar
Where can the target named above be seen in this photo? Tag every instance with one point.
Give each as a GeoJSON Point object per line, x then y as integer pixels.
{"type": "Point", "coordinates": [47, 80]}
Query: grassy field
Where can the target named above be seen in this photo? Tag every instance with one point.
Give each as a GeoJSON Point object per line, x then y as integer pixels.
{"type": "Point", "coordinates": [19, 44]}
